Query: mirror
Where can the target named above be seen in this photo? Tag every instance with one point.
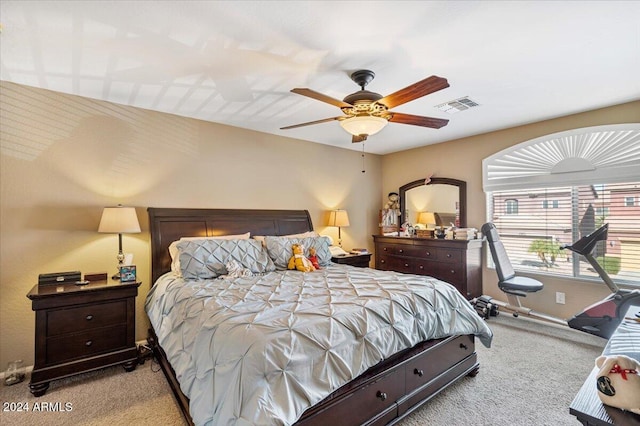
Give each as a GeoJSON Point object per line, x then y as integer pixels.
{"type": "Point", "coordinates": [439, 196]}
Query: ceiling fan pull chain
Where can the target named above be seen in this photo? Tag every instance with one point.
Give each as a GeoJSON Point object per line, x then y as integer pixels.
{"type": "Point", "coordinates": [363, 157]}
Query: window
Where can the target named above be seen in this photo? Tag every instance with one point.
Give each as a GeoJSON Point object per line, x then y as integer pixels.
{"type": "Point", "coordinates": [511, 206]}
{"type": "Point", "coordinates": [563, 187]}
{"type": "Point", "coordinates": [533, 238]}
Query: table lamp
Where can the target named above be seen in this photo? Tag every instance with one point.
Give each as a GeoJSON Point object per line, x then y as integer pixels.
{"type": "Point", "coordinates": [339, 218]}
{"type": "Point", "coordinates": [119, 220]}
{"type": "Point", "coordinates": [428, 218]}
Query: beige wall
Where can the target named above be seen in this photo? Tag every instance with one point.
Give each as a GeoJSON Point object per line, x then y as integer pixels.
{"type": "Point", "coordinates": [64, 158]}
{"type": "Point", "coordinates": [462, 159]}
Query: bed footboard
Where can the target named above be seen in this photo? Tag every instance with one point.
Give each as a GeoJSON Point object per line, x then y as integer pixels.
{"type": "Point", "coordinates": [385, 393]}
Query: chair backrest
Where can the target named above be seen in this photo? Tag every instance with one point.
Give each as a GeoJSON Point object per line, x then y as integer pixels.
{"type": "Point", "coordinates": [498, 253]}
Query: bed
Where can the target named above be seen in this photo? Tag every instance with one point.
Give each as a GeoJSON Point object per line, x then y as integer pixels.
{"type": "Point", "coordinates": [286, 347]}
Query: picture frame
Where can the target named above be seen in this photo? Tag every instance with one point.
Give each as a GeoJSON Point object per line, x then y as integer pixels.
{"type": "Point", "coordinates": [127, 273]}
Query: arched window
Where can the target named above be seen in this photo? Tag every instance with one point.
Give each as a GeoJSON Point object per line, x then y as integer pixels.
{"type": "Point", "coordinates": [555, 189]}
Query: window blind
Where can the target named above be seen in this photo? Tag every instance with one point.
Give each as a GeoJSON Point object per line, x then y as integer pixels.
{"type": "Point", "coordinates": [534, 223]}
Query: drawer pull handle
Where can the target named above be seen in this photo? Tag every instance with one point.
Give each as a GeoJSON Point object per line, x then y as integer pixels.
{"type": "Point", "coordinates": [406, 265]}
{"type": "Point", "coordinates": [463, 346]}
{"type": "Point", "coordinates": [381, 260]}
{"type": "Point", "coordinates": [89, 317]}
{"type": "Point", "coordinates": [381, 395]}
{"type": "Point", "coordinates": [419, 373]}
{"type": "Point", "coordinates": [384, 248]}
{"type": "Point", "coordinates": [421, 267]}
{"type": "Point", "coordinates": [400, 251]}
{"type": "Point", "coordinates": [448, 254]}
{"type": "Point", "coordinates": [453, 272]}
{"type": "Point", "coordinates": [88, 343]}
{"type": "Point", "coordinates": [428, 253]}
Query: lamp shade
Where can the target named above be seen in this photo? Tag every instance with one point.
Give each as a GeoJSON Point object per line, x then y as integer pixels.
{"type": "Point", "coordinates": [363, 125]}
{"type": "Point", "coordinates": [119, 220]}
{"type": "Point", "coordinates": [338, 218]}
{"type": "Point", "coordinates": [427, 218]}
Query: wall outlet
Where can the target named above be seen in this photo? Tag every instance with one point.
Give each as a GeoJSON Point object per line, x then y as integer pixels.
{"type": "Point", "coordinates": [559, 298]}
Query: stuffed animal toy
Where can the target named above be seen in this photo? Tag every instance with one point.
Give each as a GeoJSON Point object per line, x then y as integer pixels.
{"type": "Point", "coordinates": [313, 258]}
{"type": "Point", "coordinates": [235, 270]}
{"type": "Point", "coordinates": [393, 202]}
{"type": "Point", "coordinates": [298, 261]}
{"type": "Point", "coordinates": [619, 382]}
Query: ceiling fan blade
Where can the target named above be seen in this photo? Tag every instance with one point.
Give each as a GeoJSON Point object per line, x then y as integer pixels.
{"type": "Point", "coordinates": [320, 97]}
{"type": "Point", "coordinates": [418, 120]}
{"type": "Point", "coordinates": [417, 90]}
{"type": "Point", "coordinates": [360, 138]}
{"type": "Point", "coordinates": [324, 120]}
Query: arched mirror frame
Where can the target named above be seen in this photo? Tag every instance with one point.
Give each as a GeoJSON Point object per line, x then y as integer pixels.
{"type": "Point", "coordinates": [462, 195]}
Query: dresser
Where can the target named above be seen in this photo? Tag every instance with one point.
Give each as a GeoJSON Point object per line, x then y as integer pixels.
{"type": "Point", "coordinates": [458, 262]}
{"type": "Point", "coordinates": [81, 328]}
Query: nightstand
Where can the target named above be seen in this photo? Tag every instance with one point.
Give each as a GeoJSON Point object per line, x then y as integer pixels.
{"type": "Point", "coordinates": [82, 328]}
{"type": "Point", "coordinates": [359, 260]}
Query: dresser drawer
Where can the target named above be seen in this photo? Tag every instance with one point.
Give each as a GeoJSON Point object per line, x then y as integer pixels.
{"type": "Point", "coordinates": [426, 253]}
{"type": "Point", "coordinates": [86, 343]}
{"type": "Point", "coordinates": [449, 255]}
{"type": "Point", "coordinates": [451, 273]}
{"type": "Point", "coordinates": [386, 249]}
{"type": "Point", "coordinates": [426, 366]}
{"type": "Point", "coordinates": [86, 317]}
{"type": "Point", "coordinates": [405, 265]}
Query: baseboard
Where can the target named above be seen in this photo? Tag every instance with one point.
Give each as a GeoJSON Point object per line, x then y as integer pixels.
{"type": "Point", "coordinates": [28, 369]}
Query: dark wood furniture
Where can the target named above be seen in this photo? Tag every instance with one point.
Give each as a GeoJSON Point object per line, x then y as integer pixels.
{"type": "Point", "coordinates": [359, 260]}
{"type": "Point", "coordinates": [82, 328]}
{"type": "Point", "coordinates": [586, 405]}
{"type": "Point", "coordinates": [459, 184]}
{"type": "Point", "coordinates": [458, 262]}
{"type": "Point", "coordinates": [385, 393]}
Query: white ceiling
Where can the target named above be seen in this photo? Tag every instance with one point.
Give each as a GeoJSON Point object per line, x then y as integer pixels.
{"type": "Point", "coordinates": [235, 62]}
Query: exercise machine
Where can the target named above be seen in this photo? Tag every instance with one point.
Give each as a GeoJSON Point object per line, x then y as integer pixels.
{"type": "Point", "coordinates": [600, 319]}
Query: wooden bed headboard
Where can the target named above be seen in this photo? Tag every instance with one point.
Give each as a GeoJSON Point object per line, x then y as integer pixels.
{"type": "Point", "coordinates": [170, 224]}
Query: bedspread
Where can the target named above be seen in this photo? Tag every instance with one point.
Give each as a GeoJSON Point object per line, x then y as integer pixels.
{"type": "Point", "coordinates": [261, 350]}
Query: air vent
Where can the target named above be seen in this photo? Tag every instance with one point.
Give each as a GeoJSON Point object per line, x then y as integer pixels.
{"type": "Point", "coordinates": [457, 105]}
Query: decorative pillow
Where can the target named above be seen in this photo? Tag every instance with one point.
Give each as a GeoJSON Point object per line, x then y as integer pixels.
{"type": "Point", "coordinates": [208, 258]}
{"type": "Point", "coordinates": [173, 249]}
{"type": "Point", "coordinates": [302, 235]}
{"type": "Point", "coordinates": [279, 249]}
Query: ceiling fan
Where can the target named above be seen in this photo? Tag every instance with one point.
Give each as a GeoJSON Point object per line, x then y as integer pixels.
{"type": "Point", "coordinates": [366, 113]}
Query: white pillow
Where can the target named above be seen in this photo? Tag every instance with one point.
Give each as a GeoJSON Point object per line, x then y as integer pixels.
{"type": "Point", "coordinates": [173, 247]}
{"type": "Point", "coordinates": [302, 235]}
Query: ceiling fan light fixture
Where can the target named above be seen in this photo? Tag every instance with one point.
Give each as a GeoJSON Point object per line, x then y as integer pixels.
{"type": "Point", "coordinates": [364, 125]}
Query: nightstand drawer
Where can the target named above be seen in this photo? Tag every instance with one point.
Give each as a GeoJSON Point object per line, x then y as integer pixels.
{"type": "Point", "coordinates": [86, 317]}
{"type": "Point", "coordinates": [87, 343]}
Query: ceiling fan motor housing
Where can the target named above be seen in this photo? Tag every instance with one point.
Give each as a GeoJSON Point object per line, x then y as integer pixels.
{"type": "Point", "coordinates": [362, 95]}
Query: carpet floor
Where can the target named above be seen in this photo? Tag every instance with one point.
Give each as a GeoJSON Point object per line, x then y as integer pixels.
{"type": "Point", "coordinates": [528, 377]}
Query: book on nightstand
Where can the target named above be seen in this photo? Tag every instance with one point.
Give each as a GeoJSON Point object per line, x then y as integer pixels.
{"type": "Point", "coordinates": [359, 251]}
